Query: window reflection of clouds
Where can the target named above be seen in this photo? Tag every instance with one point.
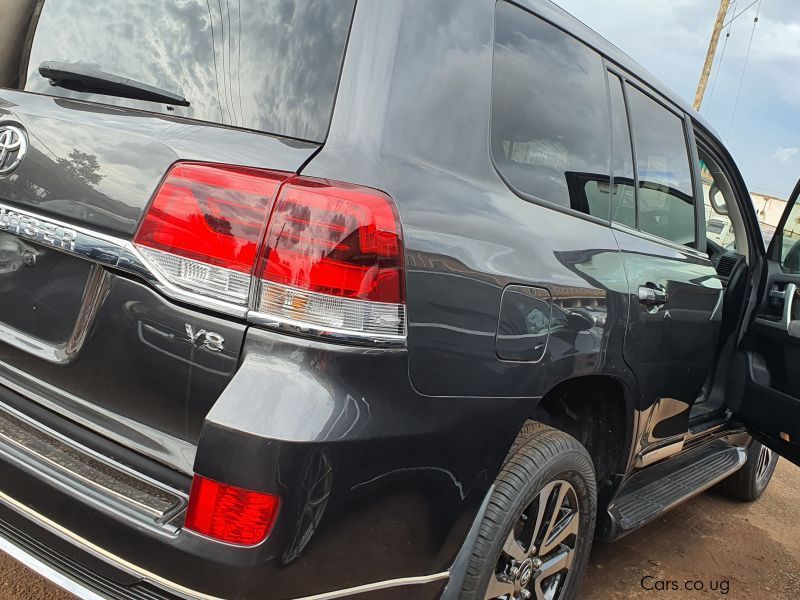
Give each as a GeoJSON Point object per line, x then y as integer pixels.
{"type": "Point", "coordinates": [662, 155]}
{"type": "Point", "coordinates": [270, 65]}
{"type": "Point", "coordinates": [550, 111]}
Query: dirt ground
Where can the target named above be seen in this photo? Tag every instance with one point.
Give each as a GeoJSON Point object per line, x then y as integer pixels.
{"type": "Point", "coordinates": [725, 548]}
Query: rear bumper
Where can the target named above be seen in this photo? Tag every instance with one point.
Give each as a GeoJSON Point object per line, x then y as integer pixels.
{"type": "Point", "coordinates": [87, 584]}
{"type": "Point", "coordinates": [379, 487]}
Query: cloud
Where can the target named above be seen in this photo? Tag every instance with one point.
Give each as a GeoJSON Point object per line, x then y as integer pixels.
{"type": "Point", "coordinates": [785, 155]}
{"type": "Point", "coordinates": [670, 39]}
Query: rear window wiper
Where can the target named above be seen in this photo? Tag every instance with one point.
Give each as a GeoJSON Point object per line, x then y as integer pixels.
{"type": "Point", "coordinates": [79, 78]}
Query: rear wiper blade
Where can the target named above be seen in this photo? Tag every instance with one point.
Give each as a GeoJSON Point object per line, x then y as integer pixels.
{"type": "Point", "coordinates": [79, 78]}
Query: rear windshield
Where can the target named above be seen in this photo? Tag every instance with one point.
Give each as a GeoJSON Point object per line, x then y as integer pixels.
{"type": "Point", "coordinates": [269, 65]}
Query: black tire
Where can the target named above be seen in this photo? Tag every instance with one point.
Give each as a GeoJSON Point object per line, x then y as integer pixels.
{"type": "Point", "coordinates": [542, 459]}
{"type": "Point", "coordinates": [749, 482]}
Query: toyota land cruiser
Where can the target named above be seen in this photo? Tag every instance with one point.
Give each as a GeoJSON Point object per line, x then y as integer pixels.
{"type": "Point", "coordinates": [379, 299]}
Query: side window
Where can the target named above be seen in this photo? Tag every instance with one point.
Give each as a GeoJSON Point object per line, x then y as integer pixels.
{"type": "Point", "coordinates": [550, 122]}
{"type": "Point", "coordinates": [666, 196]}
{"type": "Point", "coordinates": [623, 192]}
{"type": "Point", "coordinates": [790, 242]}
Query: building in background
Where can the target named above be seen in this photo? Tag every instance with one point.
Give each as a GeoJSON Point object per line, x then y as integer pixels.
{"type": "Point", "coordinates": [769, 210]}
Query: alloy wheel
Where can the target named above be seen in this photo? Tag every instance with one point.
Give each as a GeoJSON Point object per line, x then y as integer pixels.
{"type": "Point", "coordinates": [537, 555]}
{"type": "Point", "coordinates": [764, 461]}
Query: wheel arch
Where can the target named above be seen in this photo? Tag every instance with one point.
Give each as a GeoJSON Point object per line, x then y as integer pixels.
{"type": "Point", "coordinates": [597, 410]}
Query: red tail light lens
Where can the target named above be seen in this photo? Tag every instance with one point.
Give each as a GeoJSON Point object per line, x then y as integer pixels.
{"type": "Point", "coordinates": [331, 258]}
{"type": "Point", "coordinates": [335, 239]}
{"type": "Point", "coordinates": [203, 228]}
{"type": "Point", "coordinates": [230, 514]}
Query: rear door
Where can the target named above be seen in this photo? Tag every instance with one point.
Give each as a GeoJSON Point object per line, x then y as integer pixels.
{"type": "Point", "coordinates": [764, 386]}
{"type": "Point", "coordinates": [674, 319]}
{"type": "Point", "coordinates": [85, 330]}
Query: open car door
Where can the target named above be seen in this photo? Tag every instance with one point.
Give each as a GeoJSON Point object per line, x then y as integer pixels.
{"type": "Point", "coordinates": [764, 385]}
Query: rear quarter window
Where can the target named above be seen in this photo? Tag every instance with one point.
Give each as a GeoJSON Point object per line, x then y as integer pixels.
{"type": "Point", "coordinates": [268, 65]}
{"type": "Point", "coordinates": [550, 119]}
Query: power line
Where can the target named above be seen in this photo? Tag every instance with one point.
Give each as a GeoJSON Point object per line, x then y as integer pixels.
{"type": "Point", "coordinates": [744, 68]}
{"type": "Point", "coordinates": [744, 10]}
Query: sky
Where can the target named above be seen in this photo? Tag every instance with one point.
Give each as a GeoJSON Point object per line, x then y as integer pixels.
{"type": "Point", "coordinates": [670, 39]}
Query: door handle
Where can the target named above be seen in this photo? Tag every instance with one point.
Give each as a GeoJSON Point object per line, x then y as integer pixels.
{"type": "Point", "coordinates": [651, 294]}
{"type": "Point", "coordinates": [788, 295]}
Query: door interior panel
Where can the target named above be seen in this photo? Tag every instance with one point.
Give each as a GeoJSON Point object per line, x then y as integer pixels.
{"type": "Point", "coordinates": [764, 384]}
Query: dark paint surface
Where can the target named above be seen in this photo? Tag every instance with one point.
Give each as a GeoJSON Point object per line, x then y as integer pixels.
{"type": "Point", "coordinates": [671, 348]}
{"type": "Point", "coordinates": [387, 454]}
{"type": "Point", "coordinates": [136, 377]}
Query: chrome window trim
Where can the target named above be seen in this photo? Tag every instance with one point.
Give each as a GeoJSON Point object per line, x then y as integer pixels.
{"type": "Point", "coordinates": [120, 563]}
{"type": "Point", "coordinates": [650, 237]}
{"type": "Point", "coordinates": [119, 253]}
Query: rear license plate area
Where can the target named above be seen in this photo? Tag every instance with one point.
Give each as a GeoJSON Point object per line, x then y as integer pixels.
{"type": "Point", "coordinates": [41, 291]}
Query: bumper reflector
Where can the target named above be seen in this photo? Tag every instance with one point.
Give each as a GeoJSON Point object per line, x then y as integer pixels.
{"type": "Point", "coordinates": [230, 514]}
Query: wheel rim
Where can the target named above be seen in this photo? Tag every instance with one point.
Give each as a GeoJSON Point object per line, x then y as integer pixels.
{"type": "Point", "coordinates": [538, 553]}
{"type": "Point", "coordinates": [764, 460]}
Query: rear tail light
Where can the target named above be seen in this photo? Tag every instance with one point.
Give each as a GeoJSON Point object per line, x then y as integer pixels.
{"type": "Point", "coordinates": [333, 259]}
{"type": "Point", "coordinates": [230, 514]}
{"type": "Point", "coordinates": [330, 260]}
{"type": "Point", "coordinates": [204, 226]}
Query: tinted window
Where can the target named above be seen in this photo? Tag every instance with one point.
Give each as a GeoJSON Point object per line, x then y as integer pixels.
{"type": "Point", "coordinates": [271, 65]}
{"type": "Point", "coordinates": [666, 199]}
{"type": "Point", "coordinates": [623, 194]}
{"type": "Point", "coordinates": [550, 121]}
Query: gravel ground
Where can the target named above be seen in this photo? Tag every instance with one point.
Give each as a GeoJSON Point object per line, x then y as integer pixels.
{"type": "Point", "coordinates": [750, 550]}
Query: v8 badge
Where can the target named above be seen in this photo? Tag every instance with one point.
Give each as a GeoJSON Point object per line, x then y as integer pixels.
{"type": "Point", "coordinates": [208, 339]}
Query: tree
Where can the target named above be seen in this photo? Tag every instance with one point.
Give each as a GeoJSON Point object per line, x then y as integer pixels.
{"type": "Point", "coordinates": [82, 165]}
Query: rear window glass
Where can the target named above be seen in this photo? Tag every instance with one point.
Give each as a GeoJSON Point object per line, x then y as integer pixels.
{"type": "Point", "coordinates": [269, 65]}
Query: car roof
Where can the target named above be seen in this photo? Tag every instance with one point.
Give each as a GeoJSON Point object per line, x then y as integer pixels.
{"type": "Point", "coordinates": [575, 27]}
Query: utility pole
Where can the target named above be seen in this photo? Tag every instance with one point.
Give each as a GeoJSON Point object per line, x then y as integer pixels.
{"type": "Point", "coordinates": [712, 50]}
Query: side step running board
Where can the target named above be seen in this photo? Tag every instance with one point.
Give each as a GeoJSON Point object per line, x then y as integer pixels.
{"type": "Point", "coordinates": [655, 490]}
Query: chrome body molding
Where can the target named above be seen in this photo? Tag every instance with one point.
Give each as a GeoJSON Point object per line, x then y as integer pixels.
{"type": "Point", "coordinates": [81, 591]}
{"type": "Point", "coordinates": [101, 249]}
{"type": "Point", "coordinates": [651, 456]}
{"type": "Point", "coordinates": [334, 335]}
{"type": "Point", "coordinates": [122, 254]}
{"type": "Point", "coordinates": [46, 571]}
{"type": "Point", "coordinates": [40, 450]}
{"type": "Point", "coordinates": [178, 454]}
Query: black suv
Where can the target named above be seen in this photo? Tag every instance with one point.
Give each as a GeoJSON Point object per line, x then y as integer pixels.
{"type": "Point", "coordinates": [380, 299]}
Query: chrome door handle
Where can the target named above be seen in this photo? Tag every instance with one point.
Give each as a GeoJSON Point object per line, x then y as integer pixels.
{"type": "Point", "coordinates": [651, 294]}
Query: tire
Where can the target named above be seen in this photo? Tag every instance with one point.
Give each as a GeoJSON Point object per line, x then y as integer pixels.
{"type": "Point", "coordinates": [749, 482]}
{"type": "Point", "coordinates": [547, 468]}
